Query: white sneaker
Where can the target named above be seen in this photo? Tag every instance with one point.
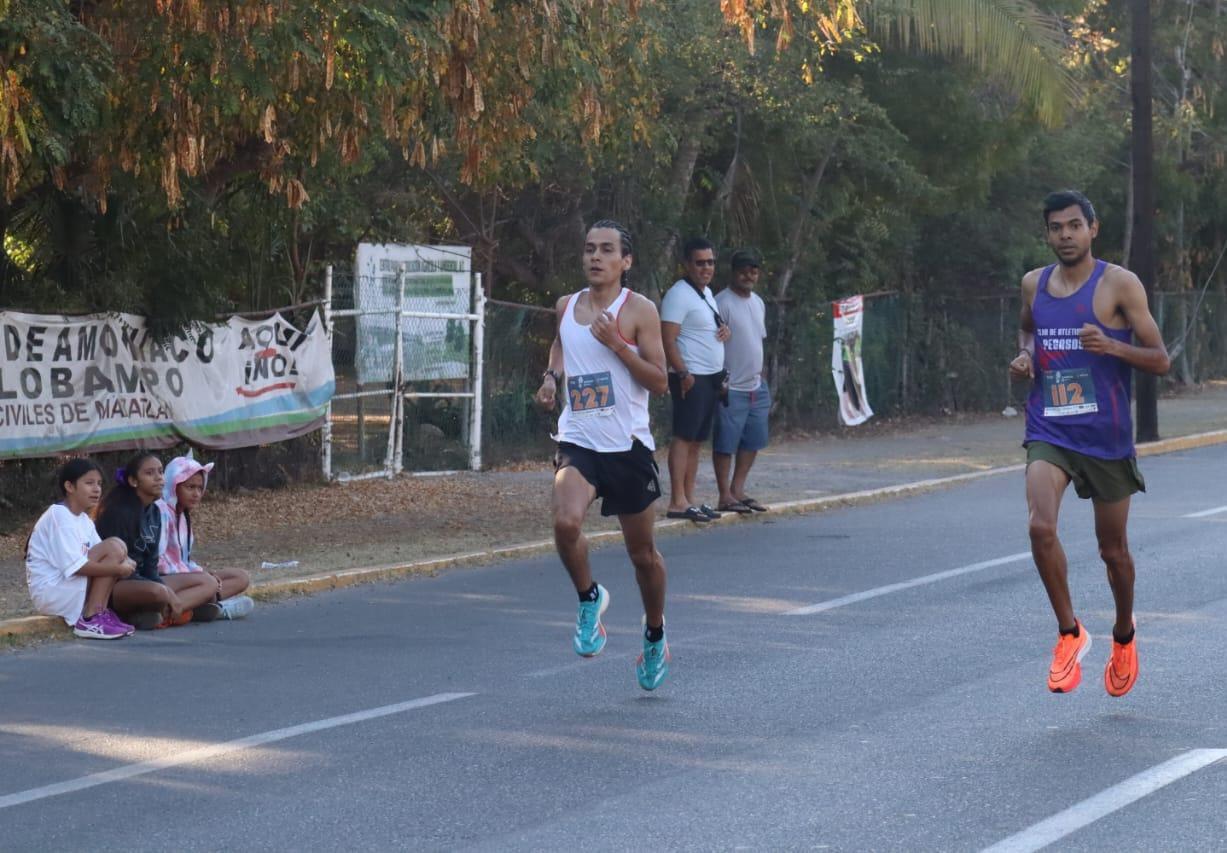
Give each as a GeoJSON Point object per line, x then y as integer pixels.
{"type": "Point", "coordinates": [237, 607]}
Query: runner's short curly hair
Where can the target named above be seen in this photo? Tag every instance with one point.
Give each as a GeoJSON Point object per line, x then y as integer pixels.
{"type": "Point", "coordinates": [1068, 198]}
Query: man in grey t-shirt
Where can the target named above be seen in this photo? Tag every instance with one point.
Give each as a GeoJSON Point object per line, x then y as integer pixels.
{"type": "Point", "coordinates": [741, 426]}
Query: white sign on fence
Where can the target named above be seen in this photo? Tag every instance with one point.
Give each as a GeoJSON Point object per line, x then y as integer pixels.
{"type": "Point", "coordinates": [103, 382]}
{"type": "Point", "coordinates": [438, 279]}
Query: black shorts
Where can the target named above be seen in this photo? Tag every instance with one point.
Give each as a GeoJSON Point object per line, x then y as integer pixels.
{"type": "Point", "coordinates": [693, 415]}
{"type": "Point", "coordinates": [627, 482]}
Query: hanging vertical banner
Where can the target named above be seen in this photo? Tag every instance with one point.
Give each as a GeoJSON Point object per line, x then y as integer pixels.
{"type": "Point", "coordinates": [438, 279]}
{"type": "Point", "coordinates": [846, 364]}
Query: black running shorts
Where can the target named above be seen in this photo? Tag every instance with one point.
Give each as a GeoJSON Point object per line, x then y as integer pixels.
{"type": "Point", "coordinates": [693, 414]}
{"type": "Point", "coordinates": [627, 482]}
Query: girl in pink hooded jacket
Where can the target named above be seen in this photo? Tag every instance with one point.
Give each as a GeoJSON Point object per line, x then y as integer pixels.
{"type": "Point", "coordinates": [182, 492]}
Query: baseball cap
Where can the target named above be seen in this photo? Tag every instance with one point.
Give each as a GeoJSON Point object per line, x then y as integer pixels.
{"type": "Point", "coordinates": [745, 258]}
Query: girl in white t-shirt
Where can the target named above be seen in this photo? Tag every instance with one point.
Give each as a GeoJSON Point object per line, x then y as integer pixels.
{"type": "Point", "coordinates": [70, 571]}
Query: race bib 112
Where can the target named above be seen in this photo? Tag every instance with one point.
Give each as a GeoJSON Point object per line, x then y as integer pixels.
{"type": "Point", "coordinates": [1069, 392]}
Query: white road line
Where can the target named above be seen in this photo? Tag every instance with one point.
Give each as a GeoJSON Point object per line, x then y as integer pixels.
{"type": "Point", "coordinates": [1206, 512]}
{"type": "Point", "coordinates": [1104, 803]}
{"type": "Point", "coordinates": [205, 753]}
{"type": "Point", "coordinates": [896, 587]}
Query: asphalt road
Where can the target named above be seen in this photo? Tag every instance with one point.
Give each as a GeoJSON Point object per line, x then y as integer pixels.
{"type": "Point", "coordinates": [867, 679]}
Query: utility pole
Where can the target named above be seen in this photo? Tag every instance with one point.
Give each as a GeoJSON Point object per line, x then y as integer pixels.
{"type": "Point", "coordinates": [1142, 252]}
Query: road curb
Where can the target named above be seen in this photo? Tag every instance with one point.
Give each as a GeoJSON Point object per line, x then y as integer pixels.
{"type": "Point", "coordinates": [1184, 442]}
{"type": "Point", "coordinates": [34, 627]}
{"type": "Point", "coordinates": [40, 627]}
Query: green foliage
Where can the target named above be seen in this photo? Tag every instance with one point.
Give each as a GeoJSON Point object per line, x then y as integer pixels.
{"type": "Point", "coordinates": [1012, 39]}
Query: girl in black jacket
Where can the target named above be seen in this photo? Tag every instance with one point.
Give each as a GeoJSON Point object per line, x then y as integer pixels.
{"type": "Point", "coordinates": [129, 513]}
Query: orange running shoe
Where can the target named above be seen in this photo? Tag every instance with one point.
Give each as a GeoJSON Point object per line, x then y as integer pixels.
{"type": "Point", "coordinates": [1065, 674]}
{"type": "Point", "coordinates": [182, 619]}
{"type": "Point", "coordinates": [1121, 672]}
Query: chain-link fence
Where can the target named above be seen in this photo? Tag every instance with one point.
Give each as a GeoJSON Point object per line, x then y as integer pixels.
{"type": "Point", "coordinates": [517, 351]}
{"type": "Point", "coordinates": [1194, 326]}
{"type": "Point", "coordinates": [921, 356]}
{"type": "Point", "coordinates": [397, 366]}
{"type": "Point", "coordinates": [361, 414]}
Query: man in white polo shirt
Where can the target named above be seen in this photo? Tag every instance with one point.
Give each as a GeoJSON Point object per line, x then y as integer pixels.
{"type": "Point", "coordinates": [741, 426]}
{"type": "Point", "coordinates": [694, 336]}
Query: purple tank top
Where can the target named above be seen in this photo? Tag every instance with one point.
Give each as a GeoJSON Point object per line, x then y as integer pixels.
{"type": "Point", "coordinates": [1079, 401]}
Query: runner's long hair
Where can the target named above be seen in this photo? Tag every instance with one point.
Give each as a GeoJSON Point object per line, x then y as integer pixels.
{"type": "Point", "coordinates": [120, 512]}
{"type": "Point", "coordinates": [70, 472]}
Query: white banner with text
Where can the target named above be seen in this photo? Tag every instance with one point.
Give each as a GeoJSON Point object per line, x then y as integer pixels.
{"type": "Point", "coordinates": [103, 382]}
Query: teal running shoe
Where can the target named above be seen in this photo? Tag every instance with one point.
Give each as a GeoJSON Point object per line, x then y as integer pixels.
{"type": "Point", "coordinates": [653, 664]}
{"type": "Point", "coordinates": [589, 638]}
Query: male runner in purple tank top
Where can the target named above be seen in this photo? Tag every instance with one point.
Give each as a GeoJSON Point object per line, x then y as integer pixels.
{"type": "Point", "coordinates": [1079, 319]}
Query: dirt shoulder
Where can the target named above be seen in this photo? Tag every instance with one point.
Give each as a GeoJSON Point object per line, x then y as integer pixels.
{"type": "Point", "coordinates": [341, 526]}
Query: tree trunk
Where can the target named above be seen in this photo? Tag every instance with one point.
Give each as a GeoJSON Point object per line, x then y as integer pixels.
{"type": "Point", "coordinates": [802, 225]}
{"type": "Point", "coordinates": [797, 239]}
{"type": "Point", "coordinates": [1184, 285]}
{"type": "Point", "coordinates": [1127, 248]}
{"type": "Point", "coordinates": [724, 197]}
{"type": "Point", "coordinates": [1142, 259]}
{"type": "Point", "coordinates": [661, 248]}
{"type": "Point", "coordinates": [1184, 263]}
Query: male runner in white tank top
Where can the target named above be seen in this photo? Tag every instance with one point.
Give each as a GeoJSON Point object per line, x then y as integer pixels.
{"type": "Point", "coordinates": [607, 357]}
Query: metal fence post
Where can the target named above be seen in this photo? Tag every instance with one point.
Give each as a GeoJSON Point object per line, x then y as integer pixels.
{"type": "Point", "coordinates": [479, 341]}
{"type": "Point", "coordinates": [394, 462]}
{"type": "Point", "coordinates": [326, 432]}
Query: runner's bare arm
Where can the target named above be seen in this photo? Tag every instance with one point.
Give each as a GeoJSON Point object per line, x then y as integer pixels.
{"type": "Point", "coordinates": [1023, 365]}
{"type": "Point", "coordinates": [1149, 354]}
{"type": "Point", "coordinates": [648, 365]}
{"type": "Point", "coordinates": [547, 394]}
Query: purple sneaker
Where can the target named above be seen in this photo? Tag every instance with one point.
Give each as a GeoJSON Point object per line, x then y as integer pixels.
{"type": "Point", "coordinates": [98, 627]}
{"type": "Point", "coordinates": [118, 623]}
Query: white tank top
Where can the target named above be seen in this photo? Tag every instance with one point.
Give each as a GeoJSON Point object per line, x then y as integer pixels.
{"type": "Point", "coordinates": [604, 408]}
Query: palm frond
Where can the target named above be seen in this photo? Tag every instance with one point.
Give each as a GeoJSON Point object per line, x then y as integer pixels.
{"type": "Point", "coordinates": [1011, 39]}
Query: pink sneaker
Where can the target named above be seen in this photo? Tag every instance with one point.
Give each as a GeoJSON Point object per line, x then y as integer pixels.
{"type": "Point", "coordinates": [98, 627]}
{"type": "Point", "coordinates": [118, 623]}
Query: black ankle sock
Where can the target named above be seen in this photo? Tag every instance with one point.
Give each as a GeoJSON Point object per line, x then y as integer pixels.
{"type": "Point", "coordinates": [591, 595]}
{"type": "Point", "coordinates": [1073, 632]}
{"type": "Point", "coordinates": [654, 635]}
{"type": "Point", "coordinates": [1125, 641]}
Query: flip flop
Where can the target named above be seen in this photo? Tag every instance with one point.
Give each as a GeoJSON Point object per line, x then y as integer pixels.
{"type": "Point", "coordinates": [709, 512]}
{"type": "Point", "coordinates": [753, 505]}
{"type": "Point", "coordinates": [691, 512]}
{"type": "Point", "coordinates": [737, 507]}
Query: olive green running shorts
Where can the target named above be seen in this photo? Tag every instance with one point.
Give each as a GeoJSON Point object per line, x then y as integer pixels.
{"type": "Point", "coordinates": [1103, 480]}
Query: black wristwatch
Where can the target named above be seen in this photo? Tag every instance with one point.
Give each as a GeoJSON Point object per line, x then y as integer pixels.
{"type": "Point", "coordinates": [549, 371]}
